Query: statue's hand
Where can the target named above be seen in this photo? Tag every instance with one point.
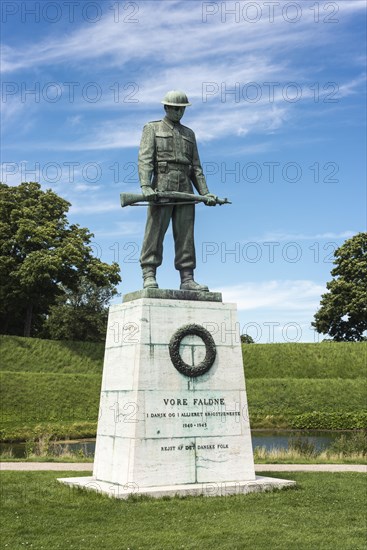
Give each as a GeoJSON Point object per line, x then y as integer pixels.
{"type": "Point", "coordinates": [211, 199]}
{"type": "Point", "coordinates": [147, 190]}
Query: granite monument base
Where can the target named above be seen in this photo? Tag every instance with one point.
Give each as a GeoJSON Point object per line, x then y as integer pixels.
{"type": "Point", "coordinates": [173, 416]}
{"type": "Point", "coordinates": [259, 484]}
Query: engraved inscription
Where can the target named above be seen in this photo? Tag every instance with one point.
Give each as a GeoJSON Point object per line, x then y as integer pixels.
{"type": "Point", "coordinates": [192, 414]}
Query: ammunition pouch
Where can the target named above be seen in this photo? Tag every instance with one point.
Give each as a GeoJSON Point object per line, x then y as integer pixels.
{"type": "Point", "coordinates": [162, 167]}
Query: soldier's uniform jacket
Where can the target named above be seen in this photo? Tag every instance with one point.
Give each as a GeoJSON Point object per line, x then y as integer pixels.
{"type": "Point", "coordinates": [169, 159]}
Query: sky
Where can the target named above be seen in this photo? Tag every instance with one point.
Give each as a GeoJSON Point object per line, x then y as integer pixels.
{"type": "Point", "coordinates": [278, 92]}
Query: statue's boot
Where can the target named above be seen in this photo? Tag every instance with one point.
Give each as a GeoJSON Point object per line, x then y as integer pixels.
{"type": "Point", "coordinates": [149, 277]}
{"type": "Point", "coordinates": [188, 283]}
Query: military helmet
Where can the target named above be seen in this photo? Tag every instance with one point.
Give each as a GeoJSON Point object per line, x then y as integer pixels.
{"type": "Point", "coordinates": [176, 98]}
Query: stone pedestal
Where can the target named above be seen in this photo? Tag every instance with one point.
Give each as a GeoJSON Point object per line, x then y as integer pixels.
{"type": "Point", "coordinates": [173, 413]}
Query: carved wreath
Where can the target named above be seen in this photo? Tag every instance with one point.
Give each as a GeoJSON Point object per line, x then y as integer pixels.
{"type": "Point", "coordinates": [174, 350]}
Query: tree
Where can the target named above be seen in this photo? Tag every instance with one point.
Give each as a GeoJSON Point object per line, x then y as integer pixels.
{"type": "Point", "coordinates": [343, 310]}
{"type": "Point", "coordinates": [81, 314]}
{"type": "Point", "coordinates": [41, 255]}
{"type": "Point", "coordinates": [246, 339]}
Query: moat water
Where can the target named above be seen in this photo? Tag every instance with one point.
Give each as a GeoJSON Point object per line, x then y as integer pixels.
{"type": "Point", "coordinates": [260, 438]}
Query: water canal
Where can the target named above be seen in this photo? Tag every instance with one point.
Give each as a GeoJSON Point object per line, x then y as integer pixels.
{"type": "Point", "coordinates": [260, 438]}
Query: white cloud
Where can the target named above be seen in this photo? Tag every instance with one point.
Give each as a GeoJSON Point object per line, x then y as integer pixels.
{"type": "Point", "coordinates": [81, 187]}
{"type": "Point", "coordinates": [216, 122]}
{"type": "Point", "coordinates": [288, 295]}
{"type": "Point", "coordinates": [182, 52]}
{"type": "Point", "coordinates": [97, 207]}
{"type": "Point", "coordinates": [172, 33]}
{"type": "Point", "coordinates": [123, 229]}
{"type": "Point", "coordinates": [74, 120]}
{"type": "Point", "coordinates": [279, 236]}
{"type": "Point", "coordinates": [276, 310]}
{"type": "Point", "coordinates": [15, 113]}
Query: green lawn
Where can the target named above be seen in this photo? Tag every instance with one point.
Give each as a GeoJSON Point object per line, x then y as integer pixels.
{"type": "Point", "coordinates": [325, 511]}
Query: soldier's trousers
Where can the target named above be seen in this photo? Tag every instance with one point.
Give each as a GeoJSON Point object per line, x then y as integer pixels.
{"type": "Point", "coordinates": [158, 218]}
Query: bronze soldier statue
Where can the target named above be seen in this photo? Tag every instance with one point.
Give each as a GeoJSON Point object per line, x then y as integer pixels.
{"type": "Point", "coordinates": [169, 161]}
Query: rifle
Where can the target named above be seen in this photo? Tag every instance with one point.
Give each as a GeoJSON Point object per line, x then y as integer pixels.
{"type": "Point", "coordinates": [166, 198]}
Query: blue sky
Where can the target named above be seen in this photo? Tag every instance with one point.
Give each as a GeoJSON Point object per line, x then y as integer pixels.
{"type": "Point", "coordinates": [278, 108]}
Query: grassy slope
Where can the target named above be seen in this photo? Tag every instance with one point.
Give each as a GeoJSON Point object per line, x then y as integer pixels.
{"type": "Point", "coordinates": [324, 512]}
{"type": "Point", "coordinates": [286, 380]}
{"type": "Point", "coordinates": [43, 396]}
{"type": "Point", "coordinates": [277, 396]}
{"type": "Point", "coordinates": [63, 404]}
{"type": "Point", "coordinates": [324, 360]}
{"type": "Point", "coordinates": [55, 385]}
{"type": "Point", "coordinates": [35, 355]}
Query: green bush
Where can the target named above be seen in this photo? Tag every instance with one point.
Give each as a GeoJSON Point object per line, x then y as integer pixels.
{"type": "Point", "coordinates": [330, 421]}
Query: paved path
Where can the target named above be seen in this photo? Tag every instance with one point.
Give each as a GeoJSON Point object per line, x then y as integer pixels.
{"type": "Point", "coordinates": [47, 466]}
{"type": "Point", "coordinates": [311, 468]}
{"type": "Point", "coordinates": [88, 466]}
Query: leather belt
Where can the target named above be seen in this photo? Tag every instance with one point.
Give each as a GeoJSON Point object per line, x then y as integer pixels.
{"type": "Point", "coordinates": [167, 166]}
